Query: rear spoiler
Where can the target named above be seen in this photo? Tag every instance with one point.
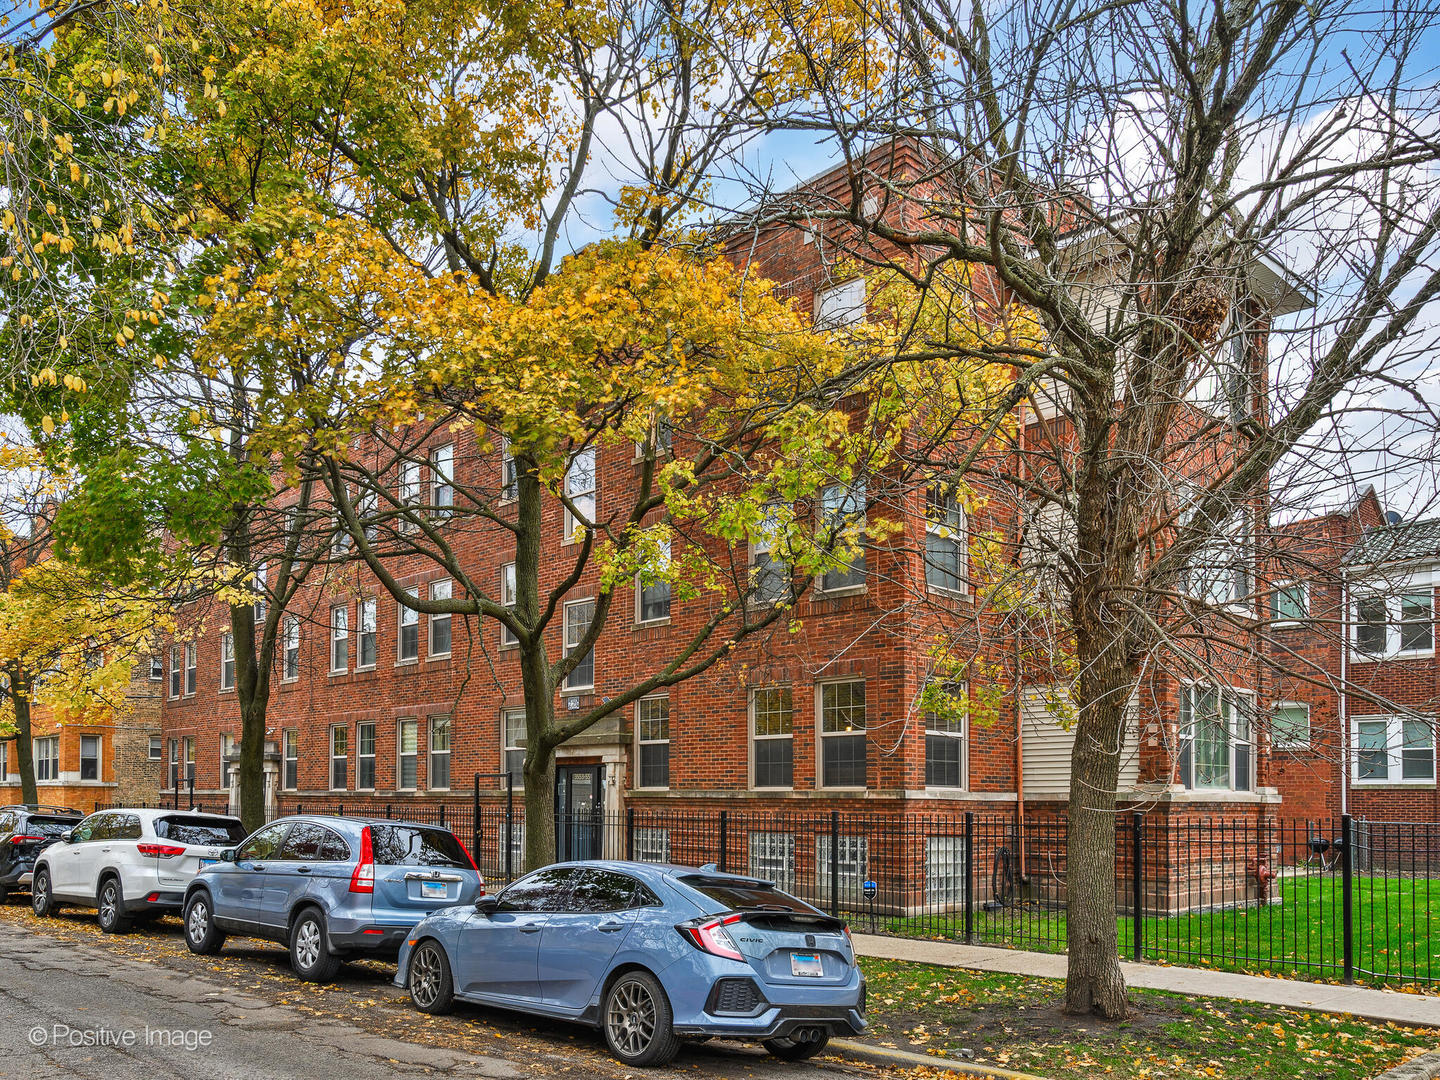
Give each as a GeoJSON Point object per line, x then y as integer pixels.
{"type": "Point", "coordinates": [825, 924]}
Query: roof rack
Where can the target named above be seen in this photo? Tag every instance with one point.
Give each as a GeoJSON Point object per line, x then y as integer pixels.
{"type": "Point", "coordinates": [48, 808]}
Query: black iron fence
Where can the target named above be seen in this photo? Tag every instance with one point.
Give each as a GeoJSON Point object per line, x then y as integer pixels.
{"type": "Point", "coordinates": [1336, 899]}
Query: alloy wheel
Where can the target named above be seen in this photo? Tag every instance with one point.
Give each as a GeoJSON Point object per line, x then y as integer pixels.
{"type": "Point", "coordinates": [425, 976]}
{"type": "Point", "coordinates": [109, 902]}
{"type": "Point", "coordinates": [199, 921]}
{"type": "Point", "coordinates": [307, 944]}
{"type": "Point", "coordinates": [631, 1018]}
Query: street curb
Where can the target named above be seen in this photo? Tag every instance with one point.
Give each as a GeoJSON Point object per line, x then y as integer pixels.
{"type": "Point", "coordinates": [883, 1055]}
{"type": "Point", "coordinates": [1424, 1067]}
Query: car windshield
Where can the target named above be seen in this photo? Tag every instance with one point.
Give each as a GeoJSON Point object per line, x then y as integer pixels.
{"type": "Point", "coordinates": [49, 826]}
{"type": "Point", "coordinates": [406, 845]}
{"type": "Point", "coordinates": [199, 830]}
{"type": "Point", "coordinates": [735, 894]}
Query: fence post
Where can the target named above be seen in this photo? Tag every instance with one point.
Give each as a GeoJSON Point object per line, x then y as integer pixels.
{"type": "Point", "coordinates": [442, 813]}
{"type": "Point", "coordinates": [1137, 883]}
{"type": "Point", "coordinates": [630, 833]}
{"type": "Point", "coordinates": [509, 826]}
{"type": "Point", "coordinates": [724, 838]}
{"type": "Point", "coordinates": [474, 819]}
{"type": "Point", "coordinates": [835, 863]}
{"type": "Point", "coordinates": [969, 877]}
{"type": "Point", "coordinates": [1347, 896]}
{"type": "Point", "coordinates": [192, 789]}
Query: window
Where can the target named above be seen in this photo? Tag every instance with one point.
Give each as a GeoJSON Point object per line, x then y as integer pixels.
{"type": "Point", "coordinates": [227, 746]}
{"type": "Point", "coordinates": [439, 768]}
{"type": "Point", "coordinates": [1215, 739]}
{"type": "Point", "coordinates": [652, 591]}
{"type": "Point", "coordinates": [440, 624]}
{"type": "Point", "coordinates": [365, 629]}
{"type": "Point", "coordinates": [1290, 602]}
{"type": "Point", "coordinates": [407, 646]}
{"type": "Point", "coordinates": [174, 764]}
{"type": "Point", "coordinates": [290, 649]}
{"type": "Point", "coordinates": [190, 668]}
{"type": "Point", "coordinates": [1290, 725]}
{"type": "Point", "coordinates": [339, 539]}
{"type": "Point", "coordinates": [89, 757]}
{"type": "Point", "coordinates": [507, 599]}
{"type": "Point", "coordinates": [365, 505]}
{"type": "Point", "coordinates": [840, 305]}
{"type": "Point", "coordinates": [769, 573]}
{"type": "Point", "coordinates": [9, 821]}
{"type": "Point", "coordinates": [580, 487]}
{"type": "Point", "coordinates": [509, 476]}
{"type": "Point", "coordinates": [652, 736]}
{"type": "Point", "coordinates": [442, 472]}
{"type": "Point", "coordinates": [258, 585]}
{"type": "Point", "coordinates": [945, 539]}
{"type": "Point", "coordinates": [365, 757]}
{"type": "Point", "coordinates": [842, 734]}
{"type": "Point", "coordinates": [1394, 750]}
{"type": "Point", "coordinates": [157, 669]}
{"type": "Point", "coordinates": [577, 620]}
{"type": "Point", "coordinates": [1394, 624]}
{"type": "Point", "coordinates": [772, 858]}
{"type": "Point", "coordinates": [157, 748]}
{"type": "Point", "coordinates": [175, 671]}
{"type": "Point", "coordinates": [47, 758]}
{"type": "Point", "coordinates": [339, 638]}
{"type": "Point", "coordinates": [1219, 571]}
{"type": "Point", "coordinates": [853, 868]}
{"type": "Point", "coordinates": [189, 746]}
{"type": "Point", "coordinates": [773, 726]}
{"type": "Point", "coordinates": [945, 739]}
{"type": "Point", "coordinates": [339, 758]}
{"type": "Point", "coordinates": [945, 870]}
{"type": "Point", "coordinates": [661, 437]}
{"type": "Point", "coordinates": [512, 721]}
{"type": "Point", "coordinates": [227, 661]}
{"type": "Point", "coordinates": [652, 844]}
{"type": "Point", "coordinates": [842, 517]}
{"type": "Point", "coordinates": [291, 754]}
{"type": "Point", "coordinates": [410, 483]}
{"type": "Point", "coordinates": [407, 745]}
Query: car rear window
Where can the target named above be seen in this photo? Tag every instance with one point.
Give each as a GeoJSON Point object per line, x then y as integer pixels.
{"type": "Point", "coordinates": [406, 845]}
{"type": "Point", "coordinates": [737, 895]}
{"type": "Point", "coordinates": [200, 830]}
{"type": "Point", "coordinates": [49, 826]}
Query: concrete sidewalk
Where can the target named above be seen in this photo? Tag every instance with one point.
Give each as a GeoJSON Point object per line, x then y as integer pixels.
{"type": "Point", "coordinates": [1415, 1010]}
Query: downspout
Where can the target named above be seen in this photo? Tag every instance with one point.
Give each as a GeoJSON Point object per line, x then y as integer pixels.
{"type": "Point", "coordinates": [1344, 685]}
{"type": "Point", "coordinates": [1023, 878]}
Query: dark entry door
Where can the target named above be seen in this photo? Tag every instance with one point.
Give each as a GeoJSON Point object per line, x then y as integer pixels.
{"type": "Point", "coordinates": [578, 809]}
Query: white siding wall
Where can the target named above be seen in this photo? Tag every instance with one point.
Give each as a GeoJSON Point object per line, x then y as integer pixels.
{"type": "Point", "coordinates": [1046, 753]}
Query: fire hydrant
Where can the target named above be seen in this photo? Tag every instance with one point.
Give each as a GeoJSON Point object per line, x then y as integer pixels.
{"type": "Point", "coordinates": [1262, 873]}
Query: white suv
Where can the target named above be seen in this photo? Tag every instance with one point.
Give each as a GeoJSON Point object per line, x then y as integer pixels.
{"type": "Point", "coordinates": [129, 863]}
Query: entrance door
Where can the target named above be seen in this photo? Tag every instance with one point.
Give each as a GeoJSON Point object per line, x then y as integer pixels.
{"type": "Point", "coordinates": [578, 809]}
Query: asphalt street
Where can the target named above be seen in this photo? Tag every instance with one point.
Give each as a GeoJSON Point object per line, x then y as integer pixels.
{"type": "Point", "coordinates": [76, 1004]}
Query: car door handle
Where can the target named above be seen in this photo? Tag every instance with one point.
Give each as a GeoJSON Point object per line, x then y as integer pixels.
{"type": "Point", "coordinates": [529, 929]}
{"type": "Point", "coordinates": [257, 866]}
{"type": "Point", "coordinates": [302, 869]}
{"type": "Point", "coordinates": [610, 927]}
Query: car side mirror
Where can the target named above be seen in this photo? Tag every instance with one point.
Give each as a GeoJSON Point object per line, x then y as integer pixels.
{"type": "Point", "coordinates": [486, 905]}
{"type": "Point", "coordinates": [68, 836]}
{"type": "Point", "coordinates": [227, 854]}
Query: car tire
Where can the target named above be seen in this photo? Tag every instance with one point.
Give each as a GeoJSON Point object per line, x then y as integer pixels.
{"type": "Point", "coordinates": [110, 907]}
{"type": "Point", "coordinates": [201, 933]}
{"type": "Point", "coordinates": [42, 900]}
{"type": "Point", "coordinates": [310, 957]}
{"type": "Point", "coordinates": [791, 1050]}
{"type": "Point", "coordinates": [637, 1021]}
{"type": "Point", "coordinates": [432, 989]}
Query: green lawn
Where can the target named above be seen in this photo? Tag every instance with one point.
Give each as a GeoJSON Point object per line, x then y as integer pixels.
{"type": "Point", "coordinates": [1015, 1022]}
{"type": "Point", "coordinates": [1397, 931]}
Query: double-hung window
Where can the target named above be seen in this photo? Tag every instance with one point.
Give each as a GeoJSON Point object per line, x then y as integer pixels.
{"type": "Point", "coordinates": [365, 756]}
{"type": "Point", "coordinates": [407, 644]}
{"type": "Point", "coordinates": [945, 738]}
{"type": "Point", "coordinates": [772, 718]}
{"type": "Point", "coordinates": [945, 539]}
{"type": "Point", "coordinates": [227, 746]}
{"type": "Point", "coordinates": [580, 487]}
{"type": "Point", "coordinates": [47, 758]}
{"type": "Point", "coordinates": [190, 668]}
{"type": "Point", "coordinates": [174, 773]}
{"type": "Point", "coordinates": [339, 757]}
{"type": "Point", "coordinates": [509, 475]}
{"type": "Point", "coordinates": [227, 661]}
{"type": "Point", "coordinates": [769, 573]}
{"type": "Point", "coordinates": [652, 590]}
{"type": "Point", "coordinates": [365, 505]}
{"type": "Point", "coordinates": [578, 614]}
{"type": "Point", "coordinates": [177, 673]}
{"type": "Point", "coordinates": [290, 741]}
{"type": "Point", "coordinates": [840, 305]}
{"type": "Point", "coordinates": [1216, 741]}
{"type": "Point", "coordinates": [1290, 603]}
{"type": "Point", "coordinates": [652, 737]}
{"type": "Point", "coordinates": [1218, 573]}
{"type": "Point", "coordinates": [89, 757]}
{"type": "Point", "coordinates": [189, 759]}
{"type": "Point", "coordinates": [1394, 750]}
{"type": "Point", "coordinates": [442, 472]}
{"type": "Point", "coordinates": [1397, 624]}
{"type": "Point", "coordinates": [438, 772]}
{"type": "Point", "coordinates": [290, 649]}
{"type": "Point", "coordinates": [339, 638]}
{"type": "Point", "coordinates": [842, 734]}
{"type": "Point", "coordinates": [842, 520]}
{"type": "Point", "coordinates": [507, 599]}
{"type": "Point", "coordinates": [365, 633]}
{"type": "Point", "coordinates": [1290, 725]}
{"type": "Point", "coordinates": [440, 624]}
{"type": "Point", "coordinates": [512, 723]}
{"type": "Point", "coordinates": [407, 753]}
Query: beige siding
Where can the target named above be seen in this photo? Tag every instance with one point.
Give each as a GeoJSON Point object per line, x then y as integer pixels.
{"type": "Point", "coordinates": [1048, 744]}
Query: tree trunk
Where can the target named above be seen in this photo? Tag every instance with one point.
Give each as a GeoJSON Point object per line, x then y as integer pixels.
{"type": "Point", "coordinates": [24, 742]}
{"type": "Point", "coordinates": [252, 688]}
{"type": "Point", "coordinates": [539, 807]}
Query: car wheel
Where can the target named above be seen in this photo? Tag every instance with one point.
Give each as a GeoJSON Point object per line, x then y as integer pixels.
{"type": "Point", "coordinates": [638, 1022]}
{"type": "Point", "coordinates": [4, 894]}
{"type": "Point", "coordinates": [310, 958]}
{"type": "Point", "coordinates": [431, 987]}
{"type": "Point", "coordinates": [794, 1050]}
{"type": "Point", "coordinates": [110, 908]}
{"type": "Point", "coordinates": [201, 933]}
{"type": "Point", "coordinates": [42, 902]}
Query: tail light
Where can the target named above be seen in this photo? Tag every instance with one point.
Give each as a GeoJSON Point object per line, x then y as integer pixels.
{"type": "Point", "coordinates": [473, 865]}
{"type": "Point", "coordinates": [363, 879]}
{"type": "Point", "coordinates": [159, 851]}
{"type": "Point", "coordinates": [849, 940]}
{"type": "Point", "coordinates": [709, 935]}
{"type": "Point", "coordinates": [26, 839]}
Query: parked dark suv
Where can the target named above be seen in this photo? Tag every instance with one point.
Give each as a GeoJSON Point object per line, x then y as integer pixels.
{"type": "Point", "coordinates": [26, 829]}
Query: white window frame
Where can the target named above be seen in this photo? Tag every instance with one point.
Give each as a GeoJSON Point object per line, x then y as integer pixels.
{"type": "Point", "coordinates": [439, 590]}
{"type": "Point", "coordinates": [339, 637]}
{"type": "Point", "coordinates": [845, 507]}
{"type": "Point", "coordinates": [176, 687]}
{"type": "Point", "coordinates": [361, 757]}
{"type": "Point", "coordinates": [99, 759]}
{"type": "Point", "coordinates": [509, 746]}
{"type": "Point", "coordinates": [1394, 601]}
{"type": "Point", "coordinates": [1394, 751]}
{"type": "Point", "coordinates": [507, 600]}
{"type": "Point", "coordinates": [822, 736]}
{"type": "Point", "coordinates": [641, 741]}
{"type": "Point", "coordinates": [227, 661]}
{"type": "Point", "coordinates": [580, 495]}
{"type": "Point", "coordinates": [227, 742]}
{"type": "Point", "coordinates": [1231, 703]}
{"type": "Point", "coordinates": [942, 530]}
{"type": "Point", "coordinates": [401, 625]}
{"type": "Point", "coordinates": [191, 668]}
{"type": "Point", "coordinates": [960, 735]}
{"type": "Point", "coordinates": [432, 726]}
{"type": "Point", "coordinates": [641, 586]}
{"type": "Point", "coordinates": [366, 624]}
{"type": "Point", "coordinates": [289, 752]}
{"type": "Point", "coordinates": [1275, 728]}
{"type": "Point", "coordinates": [410, 483]}
{"type": "Point", "coordinates": [756, 738]}
{"type": "Point", "coordinates": [841, 304]}
{"type": "Point", "coordinates": [763, 544]}
{"type": "Point", "coordinates": [339, 755]}
{"type": "Point", "coordinates": [1276, 619]}
{"type": "Point", "coordinates": [509, 474]}
{"type": "Point", "coordinates": [442, 478]}
{"type": "Point", "coordinates": [290, 649]}
{"type": "Point", "coordinates": [570, 644]}
{"type": "Point", "coordinates": [155, 749]}
{"type": "Point", "coordinates": [45, 752]}
{"type": "Point", "coordinates": [1226, 561]}
{"type": "Point", "coordinates": [157, 669]}
{"type": "Point", "coordinates": [413, 723]}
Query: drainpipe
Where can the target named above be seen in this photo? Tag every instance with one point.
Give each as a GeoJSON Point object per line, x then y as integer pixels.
{"type": "Point", "coordinates": [1341, 711]}
{"type": "Point", "coordinates": [1019, 678]}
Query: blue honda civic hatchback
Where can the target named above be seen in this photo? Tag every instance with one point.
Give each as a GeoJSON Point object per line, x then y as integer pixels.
{"type": "Point", "coordinates": [649, 954]}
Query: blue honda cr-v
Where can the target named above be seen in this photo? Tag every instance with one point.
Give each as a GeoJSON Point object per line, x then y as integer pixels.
{"type": "Point", "coordinates": [329, 887]}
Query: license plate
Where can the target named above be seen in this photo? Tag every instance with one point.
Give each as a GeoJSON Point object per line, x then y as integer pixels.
{"type": "Point", "coordinates": [807, 964]}
{"type": "Point", "coordinates": [207, 862]}
{"type": "Point", "coordinates": [432, 890]}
